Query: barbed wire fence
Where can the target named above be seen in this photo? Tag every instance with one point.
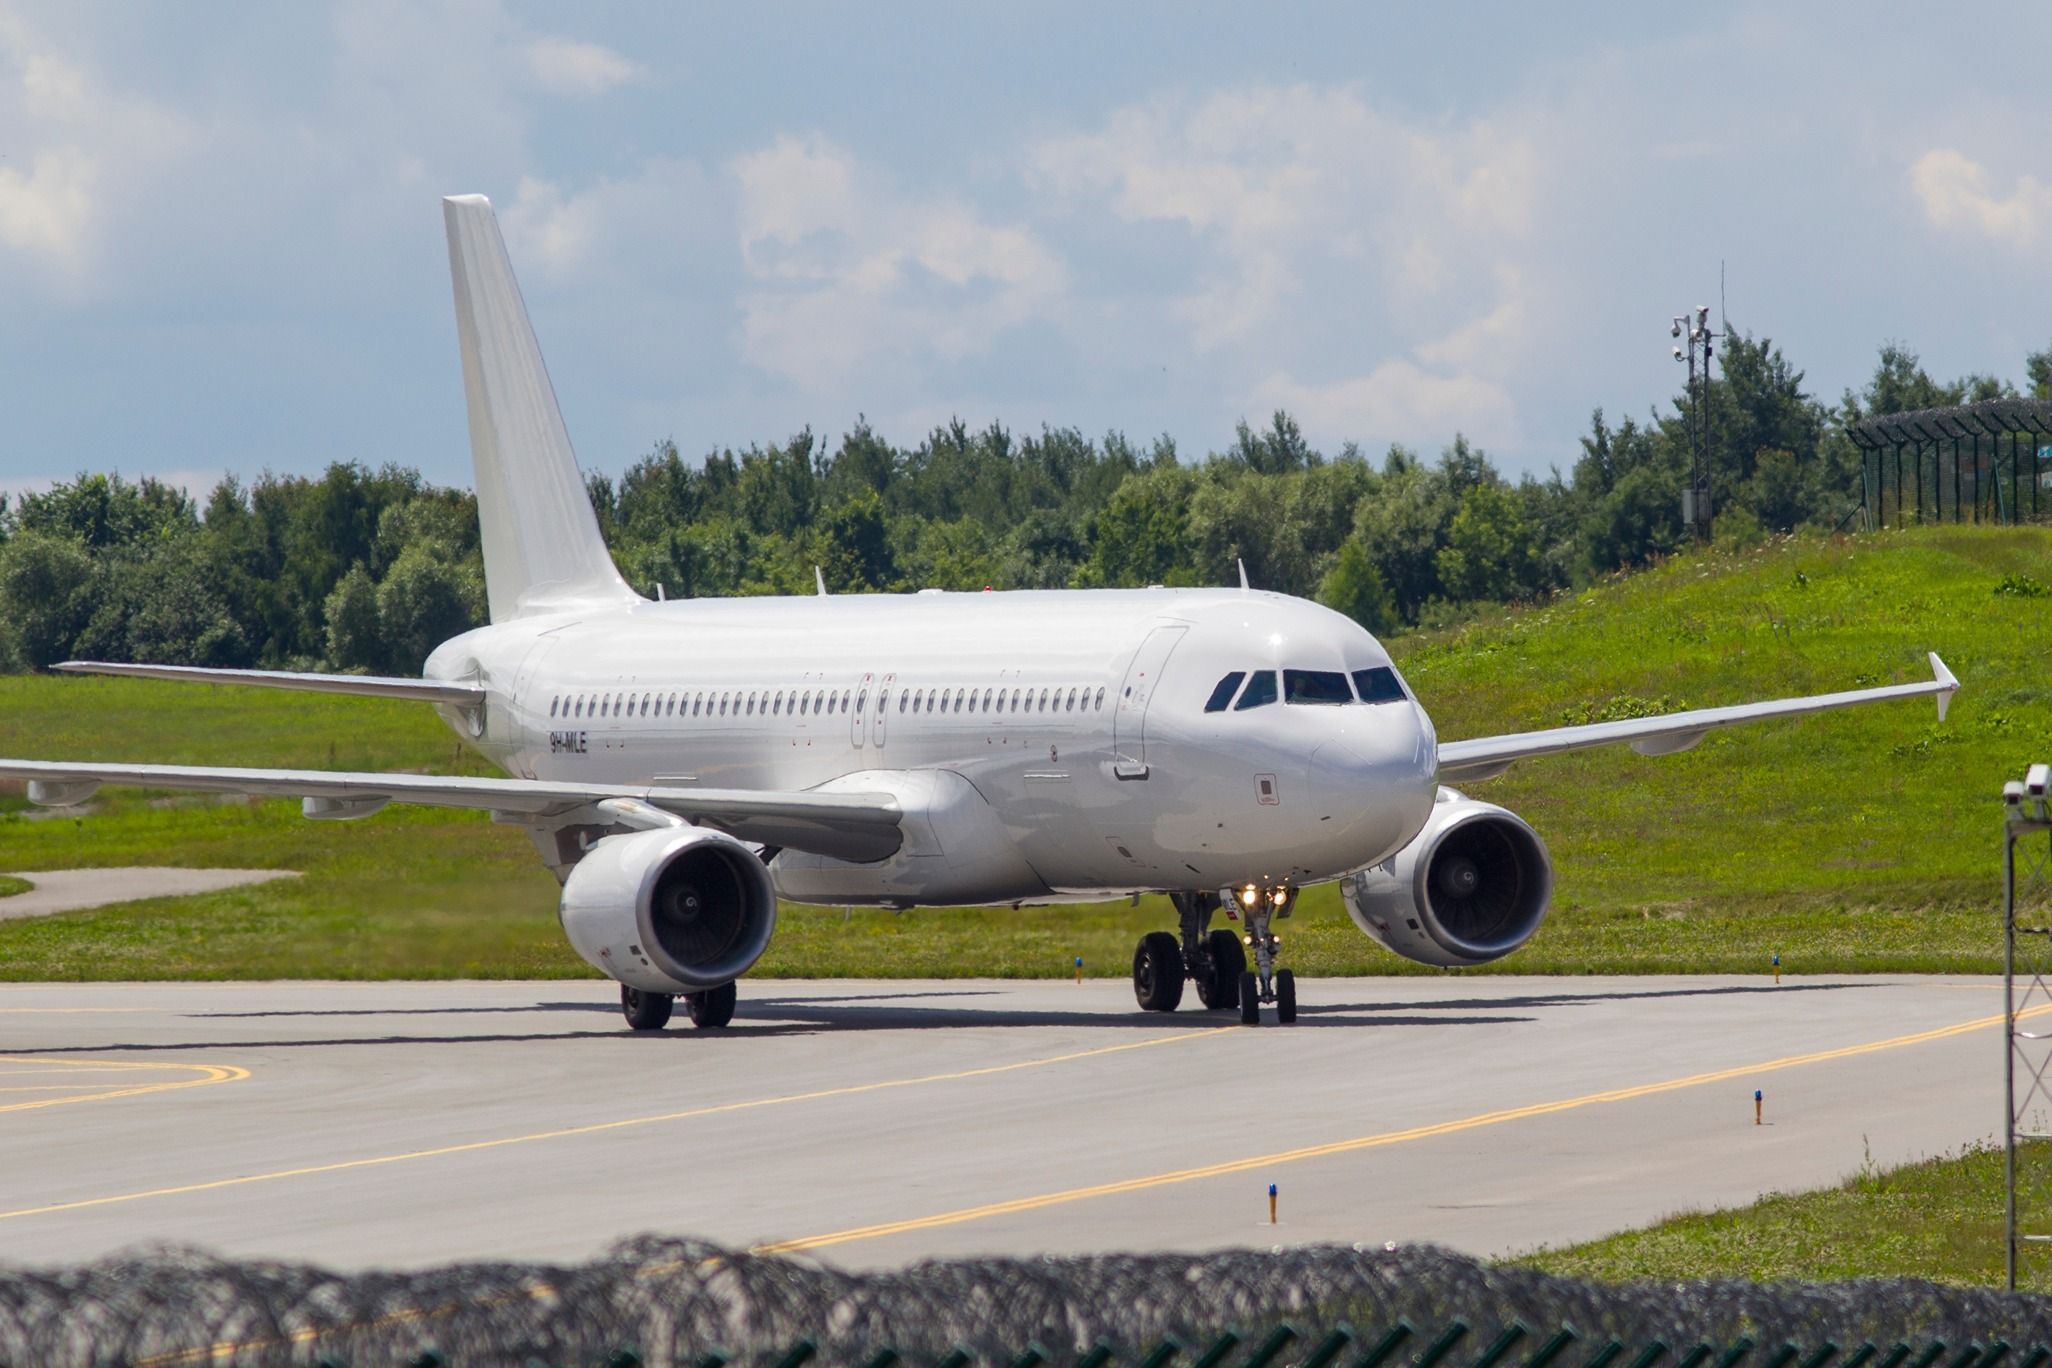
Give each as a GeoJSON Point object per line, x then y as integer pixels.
{"type": "Point", "coordinates": [669, 1301]}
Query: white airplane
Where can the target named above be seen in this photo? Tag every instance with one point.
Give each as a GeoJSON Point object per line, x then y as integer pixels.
{"type": "Point", "coordinates": [682, 765]}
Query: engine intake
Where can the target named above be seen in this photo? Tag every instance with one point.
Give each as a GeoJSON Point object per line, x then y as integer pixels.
{"type": "Point", "coordinates": [1469, 888]}
{"type": "Point", "coordinates": [676, 910]}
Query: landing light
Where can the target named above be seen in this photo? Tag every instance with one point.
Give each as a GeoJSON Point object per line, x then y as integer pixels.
{"type": "Point", "coordinates": [1282, 895]}
{"type": "Point", "coordinates": [1248, 895]}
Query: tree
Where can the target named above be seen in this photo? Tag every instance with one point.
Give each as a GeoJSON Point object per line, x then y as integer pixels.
{"type": "Point", "coordinates": [1488, 553]}
{"type": "Point", "coordinates": [425, 599]}
{"type": "Point", "coordinates": [1141, 536]}
{"type": "Point", "coordinates": [356, 639]}
{"type": "Point", "coordinates": [1352, 587]}
{"type": "Point", "coordinates": [45, 591]}
{"type": "Point", "coordinates": [1639, 519]}
{"type": "Point", "coordinates": [176, 618]}
{"type": "Point", "coordinates": [855, 545]}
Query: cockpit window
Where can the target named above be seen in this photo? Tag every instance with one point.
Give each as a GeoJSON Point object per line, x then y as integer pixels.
{"type": "Point", "coordinates": [1223, 694]}
{"type": "Point", "coordinates": [1260, 690]}
{"type": "Point", "coordinates": [1315, 686]}
{"type": "Point", "coordinates": [1378, 685]}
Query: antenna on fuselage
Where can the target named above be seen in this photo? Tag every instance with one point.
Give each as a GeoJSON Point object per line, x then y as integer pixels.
{"type": "Point", "coordinates": [1243, 572]}
{"type": "Point", "coordinates": [819, 578]}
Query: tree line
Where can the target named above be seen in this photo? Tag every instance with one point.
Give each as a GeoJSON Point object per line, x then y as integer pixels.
{"type": "Point", "coordinates": [362, 569]}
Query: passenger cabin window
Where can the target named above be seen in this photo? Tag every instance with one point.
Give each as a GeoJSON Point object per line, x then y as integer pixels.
{"type": "Point", "coordinates": [1260, 691]}
{"type": "Point", "coordinates": [1378, 685]}
{"type": "Point", "coordinates": [1222, 695]}
{"type": "Point", "coordinates": [1316, 686]}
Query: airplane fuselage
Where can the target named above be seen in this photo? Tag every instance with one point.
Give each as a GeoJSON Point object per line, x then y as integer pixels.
{"type": "Point", "coordinates": [1043, 744]}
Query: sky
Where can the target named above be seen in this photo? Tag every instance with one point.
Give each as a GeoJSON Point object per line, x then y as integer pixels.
{"type": "Point", "coordinates": [221, 244]}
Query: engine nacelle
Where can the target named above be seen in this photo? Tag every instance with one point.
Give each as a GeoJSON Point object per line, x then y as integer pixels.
{"type": "Point", "coordinates": [675, 910]}
{"type": "Point", "coordinates": [1471, 887]}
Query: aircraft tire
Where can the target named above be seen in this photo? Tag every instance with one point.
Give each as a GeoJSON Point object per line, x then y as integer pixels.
{"type": "Point", "coordinates": [1285, 996]}
{"type": "Point", "coordinates": [645, 1011]}
{"type": "Point", "coordinates": [1226, 962]}
{"type": "Point", "coordinates": [712, 1007]}
{"type": "Point", "coordinates": [1250, 999]}
{"type": "Point", "coordinates": [1158, 972]}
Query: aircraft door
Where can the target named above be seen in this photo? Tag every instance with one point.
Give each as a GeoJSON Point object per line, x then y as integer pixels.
{"type": "Point", "coordinates": [1129, 715]}
{"type": "Point", "coordinates": [883, 698]}
{"type": "Point", "coordinates": [526, 745]}
{"type": "Point", "coordinates": [860, 711]}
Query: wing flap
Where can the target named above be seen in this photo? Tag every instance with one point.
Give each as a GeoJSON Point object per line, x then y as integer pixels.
{"type": "Point", "coordinates": [366, 686]}
{"type": "Point", "coordinates": [1489, 756]}
{"type": "Point", "coordinates": [845, 826]}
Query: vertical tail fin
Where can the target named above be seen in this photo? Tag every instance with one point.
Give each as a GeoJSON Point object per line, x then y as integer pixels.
{"type": "Point", "coordinates": [542, 549]}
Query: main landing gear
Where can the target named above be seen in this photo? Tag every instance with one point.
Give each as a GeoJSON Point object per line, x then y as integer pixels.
{"type": "Point", "coordinates": [1215, 961]}
{"type": "Point", "coordinates": [651, 1011]}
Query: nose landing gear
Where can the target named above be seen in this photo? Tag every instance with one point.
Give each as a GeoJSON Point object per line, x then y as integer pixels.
{"type": "Point", "coordinates": [1265, 982]}
{"type": "Point", "coordinates": [1215, 960]}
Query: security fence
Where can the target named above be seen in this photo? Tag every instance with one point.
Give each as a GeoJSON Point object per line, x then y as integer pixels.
{"type": "Point", "coordinates": [662, 1301]}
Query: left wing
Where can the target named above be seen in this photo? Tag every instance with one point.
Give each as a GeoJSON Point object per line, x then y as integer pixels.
{"type": "Point", "coordinates": [1492, 755]}
{"type": "Point", "coordinates": [845, 826]}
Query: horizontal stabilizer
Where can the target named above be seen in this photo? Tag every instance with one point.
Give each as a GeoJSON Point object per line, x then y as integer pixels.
{"type": "Point", "coordinates": [365, 686]}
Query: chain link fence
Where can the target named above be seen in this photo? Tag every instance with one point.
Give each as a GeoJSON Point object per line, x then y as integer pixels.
{"type": "Point", "coordinates": [668, 1301]}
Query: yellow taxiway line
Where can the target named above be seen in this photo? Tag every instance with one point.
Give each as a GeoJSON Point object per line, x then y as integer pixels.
{"type": "Point", "coordinates": [98, 1069]}
{"type": "Point", "coordinates": [603, 1127]}
{"type": "Point", "coordinates": [1365, 1142]}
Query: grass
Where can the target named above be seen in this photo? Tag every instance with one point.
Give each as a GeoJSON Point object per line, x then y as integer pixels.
{"type": "Point", "coordinates": [9, 887]}
{"type": "Point", "coordinates": [1861, 841]}
{"type": "Point", "coordinates": [1940, 1220]}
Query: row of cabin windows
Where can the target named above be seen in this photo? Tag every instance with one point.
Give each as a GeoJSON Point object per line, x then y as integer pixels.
{"type": "Point", "coordinates": [800, 702]}
{"type": "Point", "coordinates": [1051, 699]}
{"type": "Point", "coordinates": [1376, 685]}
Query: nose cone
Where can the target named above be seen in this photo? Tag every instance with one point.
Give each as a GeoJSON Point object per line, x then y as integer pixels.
{"type": "Point", "coordinates": [1374, 785]}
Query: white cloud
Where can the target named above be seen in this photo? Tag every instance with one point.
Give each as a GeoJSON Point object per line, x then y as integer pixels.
{"type": "Point", "coordinates": [848, 278]}
{"type": "Point", "coordinates": [46, 211]}
{"type": "Point", "coordinates": [1273, 180]}
{"type": "Point", "coordinates": [620, 227]}
{"type": "Point", "coordinates": [83, 146]}
{"type": "Point", "coordinates": [1954, 191]}
{"type": "Point", "coordinates": [1402, 401]}
{"type": "Point", "coordinates": [564, 66]}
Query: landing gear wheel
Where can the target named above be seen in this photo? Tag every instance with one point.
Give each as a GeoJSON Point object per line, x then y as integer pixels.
{"type": "Point", "coordinates": [1158, 972]}
{"type": "Point", "coordinates": [645, 1011]}
{"type": "Point", "coordinates": [1285, 996]}
{"type": "Point", "coordinates": [1220, 986]}
{"type": "Point", "coordinates": [713, 1007]}
{"type": "Point", "coordinates": [1250, 999]}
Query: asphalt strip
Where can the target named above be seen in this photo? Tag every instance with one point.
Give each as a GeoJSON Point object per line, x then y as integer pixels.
{"type": "Point", "coordinates": [75, 890]}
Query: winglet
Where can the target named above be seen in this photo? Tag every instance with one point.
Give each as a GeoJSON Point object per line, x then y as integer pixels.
{"type": "Point", "coordinates": [819, 578]}
{"type": "Point", "coordinates": [1243, 573]}
{"type": "Point", "coordinates": [1947, 681]}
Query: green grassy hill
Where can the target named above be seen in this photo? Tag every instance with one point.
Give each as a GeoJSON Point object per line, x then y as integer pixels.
{"type": "Point", "coordinates": [1857, 841]}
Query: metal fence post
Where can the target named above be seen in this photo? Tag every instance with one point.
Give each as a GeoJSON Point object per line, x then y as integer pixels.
{"type": "Point", "coordinates": [2026, 992]}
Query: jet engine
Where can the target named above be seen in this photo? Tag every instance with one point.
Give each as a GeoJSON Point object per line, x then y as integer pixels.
{"type": "Point", "coordinates": [675, 910]}
{"type": "Point", "coordinates": [1469, 888]}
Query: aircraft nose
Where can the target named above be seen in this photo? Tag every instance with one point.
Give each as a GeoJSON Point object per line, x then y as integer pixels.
{"type": "Point", "coordinates": [1376, 783]}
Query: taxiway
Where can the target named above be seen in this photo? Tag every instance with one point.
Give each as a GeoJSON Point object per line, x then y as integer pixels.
{"type": "Point", "coordinates": [875, 1122]}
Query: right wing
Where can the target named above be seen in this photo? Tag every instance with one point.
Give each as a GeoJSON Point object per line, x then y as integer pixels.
{"type": "Point", "coordinates": [1488, 756]}
{"type": "Point", "coordinates": [845, 826]}
{"type": "Point", "coordinates": [366, 686]}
